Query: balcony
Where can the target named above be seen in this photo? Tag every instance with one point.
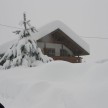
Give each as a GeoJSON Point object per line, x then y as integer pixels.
{"type": "Point", "coordinates": [69, 59]}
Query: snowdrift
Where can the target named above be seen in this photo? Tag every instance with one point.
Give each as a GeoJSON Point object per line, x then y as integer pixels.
{"type": "Point", "coordinates": [57, 84]}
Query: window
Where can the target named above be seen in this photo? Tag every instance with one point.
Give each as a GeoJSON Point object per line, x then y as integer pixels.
{"type": "Point", "coordinates": [63, 52]}
{"type": "Point", "coordinates": [50, 51]}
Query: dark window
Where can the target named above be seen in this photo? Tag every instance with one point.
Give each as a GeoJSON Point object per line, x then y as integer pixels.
{"type": "Point", "coordinates": [50, 51]}
{"type": "Point", "coordinates": [64, 52]}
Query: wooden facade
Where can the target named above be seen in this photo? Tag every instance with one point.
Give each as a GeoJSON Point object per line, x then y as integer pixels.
{"type": "Point", "coordinates": [61, 47]}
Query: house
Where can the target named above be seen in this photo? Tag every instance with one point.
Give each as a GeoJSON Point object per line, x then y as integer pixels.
{"type": "Point", "coordinates": [59, 42]}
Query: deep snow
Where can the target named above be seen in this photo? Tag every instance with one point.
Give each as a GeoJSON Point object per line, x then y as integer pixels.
{"type": "Point", "coordinates": [57, 84]}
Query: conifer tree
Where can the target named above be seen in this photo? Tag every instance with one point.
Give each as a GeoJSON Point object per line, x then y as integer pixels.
{"type": "Point", "coordinates": [25, 50]}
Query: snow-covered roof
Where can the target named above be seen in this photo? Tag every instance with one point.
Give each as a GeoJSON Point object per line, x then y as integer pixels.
{"type": "Point", "coordinates": [43, 31]}
{"type": "Point", "coordinates": [47, 29]}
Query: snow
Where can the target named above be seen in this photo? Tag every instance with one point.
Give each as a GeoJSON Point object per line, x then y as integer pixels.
{"type": "Point", "coordinates": [5, 46]}
{"type": "Point", "coordinates": [57, 84]}
{"type": "Point", "coordinates": [43, 31]}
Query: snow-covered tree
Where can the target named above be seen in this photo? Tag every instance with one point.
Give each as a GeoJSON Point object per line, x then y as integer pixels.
{"type": "Point", "coordinates": [25, 50]}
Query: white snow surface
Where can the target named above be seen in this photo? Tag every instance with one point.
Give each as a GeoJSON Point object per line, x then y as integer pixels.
{"type": "Point", "coordinates": [45, 30]}
{"type": "Point", "coordinates": [57, 84]}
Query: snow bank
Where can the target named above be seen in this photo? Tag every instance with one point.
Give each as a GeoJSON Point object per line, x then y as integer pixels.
{"type": "Point", "coordinates": [57, 84]}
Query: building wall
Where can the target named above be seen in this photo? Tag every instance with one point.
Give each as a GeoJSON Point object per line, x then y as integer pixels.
{"type": "Point", "coordinates": [56, 46]}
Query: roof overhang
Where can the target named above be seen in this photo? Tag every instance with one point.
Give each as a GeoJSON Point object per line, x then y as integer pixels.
{"type": "Point", "coordinates": [70, 43]}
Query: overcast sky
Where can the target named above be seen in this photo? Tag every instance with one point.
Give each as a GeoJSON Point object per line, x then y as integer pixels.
{"type": "Point", "coordinates": [86, 17]}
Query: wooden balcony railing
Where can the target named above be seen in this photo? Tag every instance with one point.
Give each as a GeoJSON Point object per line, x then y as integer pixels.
{"type": "Point", "coordinates": [69, 59]}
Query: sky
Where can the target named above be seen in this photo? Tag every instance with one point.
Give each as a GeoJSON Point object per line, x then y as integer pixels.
{"type": "Point", "coordinates": [88, 18]}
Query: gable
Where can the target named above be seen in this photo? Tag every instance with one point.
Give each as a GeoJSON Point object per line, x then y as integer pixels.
{"type": "Point", "coordinates": [58, 36]}
{"type": "Point", "coordinates": [58, 27]}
